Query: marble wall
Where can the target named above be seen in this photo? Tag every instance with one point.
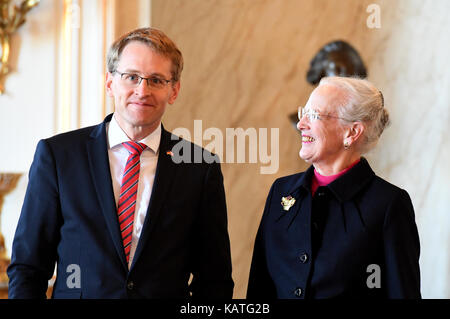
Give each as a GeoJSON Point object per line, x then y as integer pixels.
{"type": "Point", "coordinates": [245, 66]}
{"type": "Point", "coordinates": [412, 68]}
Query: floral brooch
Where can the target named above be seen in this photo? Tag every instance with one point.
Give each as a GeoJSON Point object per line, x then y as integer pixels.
{"type": "Point", "coordinates": [287, 202]}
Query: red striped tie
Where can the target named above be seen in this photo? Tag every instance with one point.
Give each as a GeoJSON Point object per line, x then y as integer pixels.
{"type": "Point", "coordinates": [128, 192]}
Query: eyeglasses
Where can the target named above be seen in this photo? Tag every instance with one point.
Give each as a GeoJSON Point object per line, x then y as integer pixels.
{"type": "Point", "coordinates": [133, 80]}
{"type": "Point", "coordinates": [313, 114]}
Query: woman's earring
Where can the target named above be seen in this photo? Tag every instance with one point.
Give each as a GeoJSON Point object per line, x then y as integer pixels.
{"type": "Point", "coordinates": [346, 145]}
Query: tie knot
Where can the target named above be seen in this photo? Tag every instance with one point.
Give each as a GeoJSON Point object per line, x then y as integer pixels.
{"type": "Point", "coordinates": [134, 148]}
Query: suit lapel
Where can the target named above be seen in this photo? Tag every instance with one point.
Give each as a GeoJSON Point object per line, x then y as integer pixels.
{"type": "Point", "coordinates": [164, 177]}
{"type": "Point", "coordinates": [100, 171]}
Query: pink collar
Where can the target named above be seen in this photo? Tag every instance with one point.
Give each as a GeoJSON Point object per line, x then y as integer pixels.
{"type": "Point", "coordinates": [320, 180]}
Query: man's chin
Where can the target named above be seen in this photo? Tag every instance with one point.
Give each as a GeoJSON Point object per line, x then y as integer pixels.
{"type": "Point", "coordinates": [143, 118]}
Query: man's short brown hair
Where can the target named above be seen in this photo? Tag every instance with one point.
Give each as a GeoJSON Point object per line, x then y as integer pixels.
{"type": "Point", "coordinates": [156, 40]}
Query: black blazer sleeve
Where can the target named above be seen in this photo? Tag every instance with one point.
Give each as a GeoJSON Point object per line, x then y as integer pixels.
{"type": "Point", "coordinates": [212, 259]}
{"type": "Point", "coordinates": [37, 233]}
{"type": "Point", "coordinates": [401, 249]}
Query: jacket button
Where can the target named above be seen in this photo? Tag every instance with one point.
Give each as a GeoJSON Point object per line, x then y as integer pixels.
{"type": "Point", "coordinates": [298, 292]}
{"type": "Point", "coordinates": [304, 258]}
{"type": "Point", "coordinates": [130, 285]}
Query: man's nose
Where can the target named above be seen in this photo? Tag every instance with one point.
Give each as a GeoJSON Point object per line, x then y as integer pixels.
{"type": "Point", "coordinates": [143, 88]}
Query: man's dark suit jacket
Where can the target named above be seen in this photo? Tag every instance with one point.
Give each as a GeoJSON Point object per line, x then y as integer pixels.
{"type": "Point", "coordinates": [69, 216]}
{"type": "Point", "coordinates": [330, 245]}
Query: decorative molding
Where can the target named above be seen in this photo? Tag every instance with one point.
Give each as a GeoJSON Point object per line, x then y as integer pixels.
{"type": "Point", "coordinates": [8, 181]}
{"type": "Point", "coordinates": [88, 29]}
{"type": "Point", "coordinates": [9, 23]}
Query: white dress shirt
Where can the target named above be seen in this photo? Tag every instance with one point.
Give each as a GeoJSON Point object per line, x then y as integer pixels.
{"type": "Point", "coordinates": [118, 156]}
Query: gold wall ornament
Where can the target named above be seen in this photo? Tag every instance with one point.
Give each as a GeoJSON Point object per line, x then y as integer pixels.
{"type": "Point", "coordinates": [8, 181]}
{"type": "Point", "coordinates": [10, 21]}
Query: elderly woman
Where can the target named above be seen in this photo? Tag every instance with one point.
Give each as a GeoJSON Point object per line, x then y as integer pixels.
{"type": "Point", "coordinates": [337, 229]}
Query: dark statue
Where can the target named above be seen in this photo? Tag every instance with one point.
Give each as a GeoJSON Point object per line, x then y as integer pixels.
{"type": "Point", "coordinates": [337, 58]}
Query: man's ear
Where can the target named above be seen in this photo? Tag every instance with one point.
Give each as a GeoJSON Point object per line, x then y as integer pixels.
{"type": "Point", "coordinates": [174, 92]}
{"type": "Point", "coordinates": [354, 132]}
{"type": "Point", "coordinates": [108, 84]}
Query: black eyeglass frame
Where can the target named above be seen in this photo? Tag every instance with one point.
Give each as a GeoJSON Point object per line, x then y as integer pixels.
{"type": "Point", "coordinates": [146, 79]}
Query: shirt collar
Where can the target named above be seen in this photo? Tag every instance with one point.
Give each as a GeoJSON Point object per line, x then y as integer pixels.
{"type": "Point", "coordinates": [116, 136]}
{"type": "Point", "coordinates": [323, 180]}
{"type": "Point", "coordinates": [346, 186]}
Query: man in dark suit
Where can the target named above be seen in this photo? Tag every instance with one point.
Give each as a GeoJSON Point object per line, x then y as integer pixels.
{"type": "Point", "coordinates": [110, 205]}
